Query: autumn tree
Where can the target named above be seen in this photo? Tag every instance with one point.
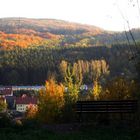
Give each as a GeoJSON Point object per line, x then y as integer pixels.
{"type": "Point", "coordinates": [72, 81]}
{"type": "Point", "coordinates": [51, 101]}
{"type": "Point", "coordinates": [31, 112]}
{"type": "Point", "coordinates": [99, 69]}
{"type": "Point", "coordinates": [97, 89]}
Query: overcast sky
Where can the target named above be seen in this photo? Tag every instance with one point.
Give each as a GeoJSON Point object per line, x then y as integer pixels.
{"type": "Point", "coordinates": [107, 14]}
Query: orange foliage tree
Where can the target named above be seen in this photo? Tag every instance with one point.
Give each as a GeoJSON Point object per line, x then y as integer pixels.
{"type": "Point", "coordinates": [31, 112]}
{"type": "Point", "coordinates": [10, 41]}
{"type": "Point", "coordinates": [51, 101]}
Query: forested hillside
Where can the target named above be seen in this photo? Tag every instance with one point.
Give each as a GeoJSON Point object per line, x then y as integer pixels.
{"type": "Point", "coordinates": [32, 50]}
{"type": "Point", "coordinates": [44, 32]}
{"type": "Point", "coordinates": [24, 33]}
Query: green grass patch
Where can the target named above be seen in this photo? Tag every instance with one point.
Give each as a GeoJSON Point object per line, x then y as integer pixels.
{"type": "Point", "coordinates": [84, 133]}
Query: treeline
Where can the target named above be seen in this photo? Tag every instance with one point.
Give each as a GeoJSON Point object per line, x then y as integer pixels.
{"type": "Point", "coordinates": [34, 65]}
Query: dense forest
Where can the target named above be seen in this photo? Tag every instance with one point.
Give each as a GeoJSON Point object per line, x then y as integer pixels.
{"type": "Point", "coordinates": [32, 50]}
{"type": "Point", "coordinates": [35, 65]}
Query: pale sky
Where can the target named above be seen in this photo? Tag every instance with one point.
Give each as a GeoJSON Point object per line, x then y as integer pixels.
{"type": "Point", "coordinates": [102, 13]}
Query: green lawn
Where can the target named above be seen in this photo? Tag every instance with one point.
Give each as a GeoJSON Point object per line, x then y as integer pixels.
{"type": "Point", "coordinates": [84, 133]}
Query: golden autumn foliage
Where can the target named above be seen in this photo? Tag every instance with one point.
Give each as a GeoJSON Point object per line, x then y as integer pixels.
{"type": "Point", "coordinates": [51, 101]}
{"type": "Point", "coordinates": [31, 111]}
{"type": "Point", "coordinates": [3, 105]}
{"type": "Point", "coordinates": [97, 89]}
{"type": "Point", "coordinates": [72, 79]}
{"type": "Point", "coordinates": [10, 41]}
{"type": "Point", "coordinates": [119, 89]}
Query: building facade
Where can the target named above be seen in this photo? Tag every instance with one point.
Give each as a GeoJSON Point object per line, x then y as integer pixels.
{"type": "Point", "coordinates": [24, 102]}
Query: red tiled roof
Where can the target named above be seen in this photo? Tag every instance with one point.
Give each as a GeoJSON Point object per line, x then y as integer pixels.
{"type": "Point", "coordinates": [26, 100]}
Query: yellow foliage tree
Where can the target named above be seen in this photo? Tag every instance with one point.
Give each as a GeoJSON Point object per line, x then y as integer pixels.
{"type": "Point", "coordinates": [97, 89]}
{"type": "Point", "coordinates": [51, 101]}
{"type": "Point", "coordinates": [72, 80]}
{"type": "Point", "coordinates": [3, 105]}
{"type": "Point", "coordinates": [119, 89]}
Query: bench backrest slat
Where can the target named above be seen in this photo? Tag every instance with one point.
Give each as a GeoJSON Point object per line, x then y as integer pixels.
{"type": "Point", "coordinates": [126, 106]}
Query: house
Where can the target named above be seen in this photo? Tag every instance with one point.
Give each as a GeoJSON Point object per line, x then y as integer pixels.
{"type": "Point", "coordinates": [22, 103]}
{"type": "Point", "coordinates": [6, 91]}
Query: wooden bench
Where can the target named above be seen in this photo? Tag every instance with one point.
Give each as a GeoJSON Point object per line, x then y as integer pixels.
{"type": "Point", "coordinates": [120, 106]}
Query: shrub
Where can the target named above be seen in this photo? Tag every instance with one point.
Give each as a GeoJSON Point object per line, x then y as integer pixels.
{"type": "Point", "coordinates": [31, 112]}
{"type": "Point", "coordinates": [5, 120]}
{"type": "Point", "coordinates": [96, 91]}
{"type": "Point", "coordinates": [3, 105]}
{"type": "Point", "coordinates": [119, 89]}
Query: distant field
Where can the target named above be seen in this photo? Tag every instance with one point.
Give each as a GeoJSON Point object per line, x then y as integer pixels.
{"type": "Point", "coordinates": [86, 133]}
